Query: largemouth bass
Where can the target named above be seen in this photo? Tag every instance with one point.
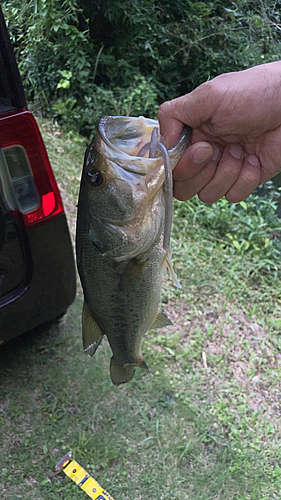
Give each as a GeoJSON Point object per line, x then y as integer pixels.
{"type": "Point", "coordinates": [122, 239]}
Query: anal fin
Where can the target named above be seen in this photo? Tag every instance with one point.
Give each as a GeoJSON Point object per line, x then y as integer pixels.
{"type": "Point", "coordinates": [161, 320]}
{"type": "Point", "coordinates": [91, 332]}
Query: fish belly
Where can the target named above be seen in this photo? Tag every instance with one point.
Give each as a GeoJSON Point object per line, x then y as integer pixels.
{"type": "Point", "coordinates": [123, 298]}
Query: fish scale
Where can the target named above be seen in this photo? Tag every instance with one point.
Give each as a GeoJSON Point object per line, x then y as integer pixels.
{"type": "Point", "coordinates": [129, 305]}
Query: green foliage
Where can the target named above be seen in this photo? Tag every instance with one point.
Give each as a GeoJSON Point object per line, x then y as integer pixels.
{"type": "Point", "coordinates": [80, 60]}
{"type": "Point", "coordinates": [139, 98]}
{"type": "Point", "coordinates": [249, 227]}
{"type": "Point", "coordinates": [50, 47]}
{"type": "Point", "coordinates": [59, 62]}
{"type": "Point", "coordinates": [184, 43]}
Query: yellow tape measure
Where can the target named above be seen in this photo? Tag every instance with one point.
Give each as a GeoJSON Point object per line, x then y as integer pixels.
{"type": "Point", "coordinates": [73, 470]}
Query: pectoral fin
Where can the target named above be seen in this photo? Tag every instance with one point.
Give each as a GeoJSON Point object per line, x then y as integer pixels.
{"type": "Point", "coordinates": [91, 332]}
{"type": "Point", "coordinates": [132, 274]}
{"type": "Point", "coordinates": [161, 320]}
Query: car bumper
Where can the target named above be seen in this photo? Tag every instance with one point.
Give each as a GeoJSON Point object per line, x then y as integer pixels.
{"type": "Point", "coordinates": [52, 286]}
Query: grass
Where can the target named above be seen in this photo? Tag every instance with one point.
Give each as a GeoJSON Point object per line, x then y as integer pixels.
{"type": "Point", "coordinates": [204, 423]}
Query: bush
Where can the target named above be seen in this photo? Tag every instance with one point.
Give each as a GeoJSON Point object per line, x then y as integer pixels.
{"type": "Point", "coordinates": [249, 227]}
{"type": "Point", "coordinates": [80, 60]}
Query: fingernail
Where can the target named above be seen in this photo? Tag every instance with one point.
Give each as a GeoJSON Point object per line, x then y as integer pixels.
{"type": "Point", "coordinates": [202, 154]}
{"type": "Point", "coordinates": [235, 151]}
{"type": "Point", "coordinates": [216, 152]}
{"type": "Point", "coordinates": [253, 160]}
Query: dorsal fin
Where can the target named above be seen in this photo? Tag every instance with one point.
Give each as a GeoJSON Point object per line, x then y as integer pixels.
{"type": "Point", "coordinates": [91, 332]}
{"type": "Point", "coordinates": [161, 320]}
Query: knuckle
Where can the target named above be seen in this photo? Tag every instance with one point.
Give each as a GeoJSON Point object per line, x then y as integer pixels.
{"type": "Point", "coordinates": [231, 169]}
{"type": "Point", "coordinates": [207, 173]}
{"type": "Point", "coordinates": [163, 107]}
{"type": "Point", "coordinates": [162, 110]}
{"type": "Point", "coordinates": [213, 88]}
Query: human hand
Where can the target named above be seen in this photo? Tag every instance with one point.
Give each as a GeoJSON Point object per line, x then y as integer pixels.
{"type": "Point", "coordinates": [236, 140]}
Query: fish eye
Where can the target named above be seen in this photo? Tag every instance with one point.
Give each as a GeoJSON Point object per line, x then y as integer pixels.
{"type": "Point", "coordinates": [94, 177]}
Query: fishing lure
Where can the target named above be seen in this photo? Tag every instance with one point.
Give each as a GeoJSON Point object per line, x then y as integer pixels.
{"type": "Point", "coordinates": [153, 147]}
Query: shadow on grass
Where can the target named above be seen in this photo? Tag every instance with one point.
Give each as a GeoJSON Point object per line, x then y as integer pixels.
{"type": "Point", "coordinates": [154, 437]}
{"type": "Point", "coordinates": [17, 353]}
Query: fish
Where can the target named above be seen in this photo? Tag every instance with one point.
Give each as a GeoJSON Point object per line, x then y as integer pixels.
{"type": "Point", "coordinates": [122, 237]}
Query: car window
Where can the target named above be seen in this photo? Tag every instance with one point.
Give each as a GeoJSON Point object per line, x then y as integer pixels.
{"type": "Point", "coordinates": [11, 89]}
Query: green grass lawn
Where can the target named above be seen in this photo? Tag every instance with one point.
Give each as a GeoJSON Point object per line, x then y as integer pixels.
{"type": "Point", "coordinates": [204, 422]}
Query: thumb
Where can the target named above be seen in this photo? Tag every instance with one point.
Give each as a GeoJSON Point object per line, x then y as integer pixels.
{"type": "Point", "coordinates": [191, 109]}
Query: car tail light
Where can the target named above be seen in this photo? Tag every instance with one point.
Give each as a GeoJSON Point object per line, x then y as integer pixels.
{"type": "Point", "coordinates": [27, 182]}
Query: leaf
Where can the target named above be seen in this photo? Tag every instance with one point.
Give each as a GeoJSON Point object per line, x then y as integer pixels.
{"type": "Point", "coordinates": [170, 351]}
{"type": "Point", "coordinates": [45, 481]}
{"type": "Point", "coordinates": [266, 242]}
{"type": "Point", "coordinates": [243, 205]}
{"type": "Point", "coordinates": [66, 74]}
{"type": "Point", "coordinates": [276, 471]}
{"type": "Point", "coordinates": [63, 84]}
{"type": "Point", "coordinates": [236, 244]}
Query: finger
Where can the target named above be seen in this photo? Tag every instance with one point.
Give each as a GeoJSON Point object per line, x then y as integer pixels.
{"type": "Point", "coordinates": [248, 180]}
{"type": "Point", "coordinates": [192, 109]}
{"type": "Point", "coordinates": [186, 189]}
{"type": "Point", "coordinates": [193, 160]}
{"type": "Point", "coordinates": [226, 175]}
{"type": "Point", "coordinates": [195, 170]}
{"type": "Point", "coordinates": [170, 125]}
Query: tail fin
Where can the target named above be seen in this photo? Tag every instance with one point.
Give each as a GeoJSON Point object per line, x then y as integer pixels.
{"type": "Point", "coordinates": [122, 374]}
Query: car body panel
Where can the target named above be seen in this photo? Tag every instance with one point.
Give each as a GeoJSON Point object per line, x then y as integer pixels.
{"type": "Point", "coordinates": [15, 259]}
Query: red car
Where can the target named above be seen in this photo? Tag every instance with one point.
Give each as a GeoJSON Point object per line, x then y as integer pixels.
{"type": "Point", "coordinates": [37, 268]}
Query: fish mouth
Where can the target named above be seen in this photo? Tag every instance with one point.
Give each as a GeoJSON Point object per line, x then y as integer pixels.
{"type": "Point", "coordinates": [126, 141]}
{"type": "Point", "coordinates": [122, 137]}
{"type": "Point", "coordinates": [126, 135]}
